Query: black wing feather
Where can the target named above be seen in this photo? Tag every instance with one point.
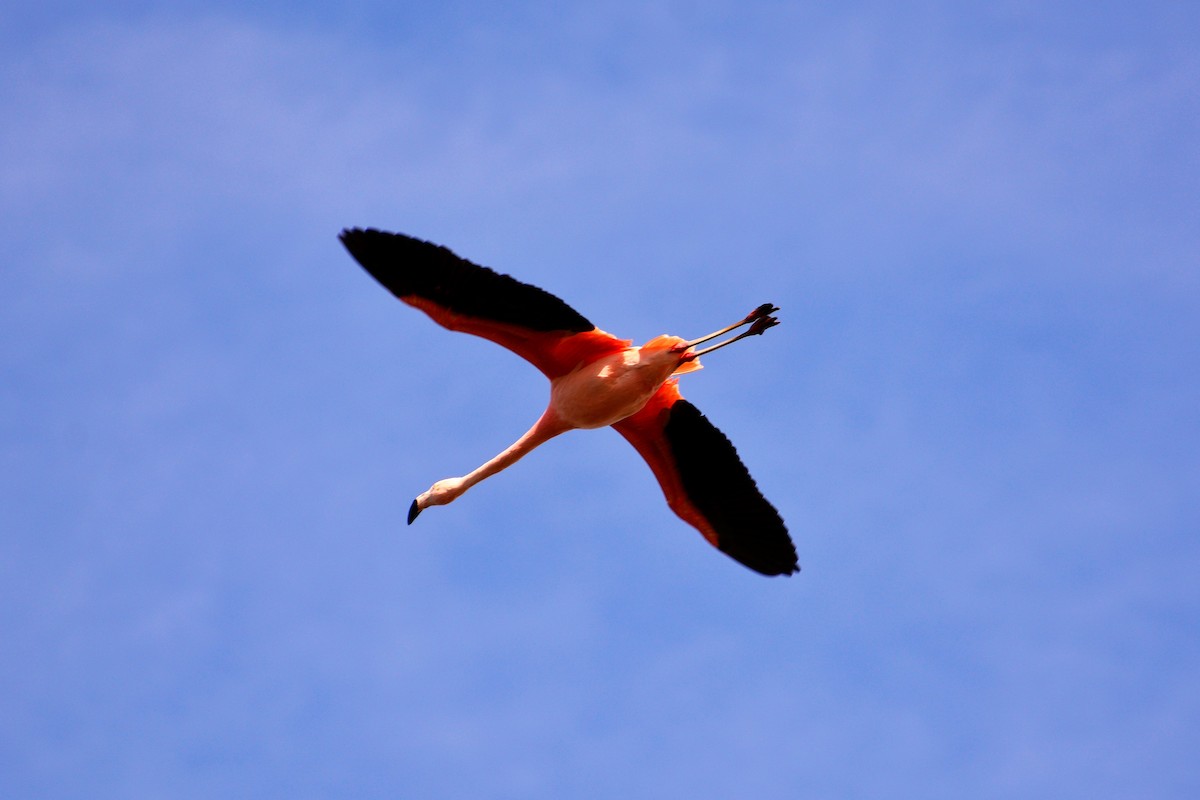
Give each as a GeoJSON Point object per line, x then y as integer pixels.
{"type": "Point", "coordinates": [410, 267]}
{"type": "Point", "coordinates": [748, 527]}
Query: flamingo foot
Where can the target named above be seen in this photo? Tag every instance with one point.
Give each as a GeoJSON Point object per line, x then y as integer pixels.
{"type": "Point", "coordinates": [764, 310]}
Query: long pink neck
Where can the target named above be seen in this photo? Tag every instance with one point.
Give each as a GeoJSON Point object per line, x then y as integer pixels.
{"type": "Point", "coordinates": [546, 428]}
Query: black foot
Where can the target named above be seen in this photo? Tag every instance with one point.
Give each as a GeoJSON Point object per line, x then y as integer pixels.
{"type": "Point", "coordinates": [762, 311]}
{"type": "Point", "coordinates": [413, 510]}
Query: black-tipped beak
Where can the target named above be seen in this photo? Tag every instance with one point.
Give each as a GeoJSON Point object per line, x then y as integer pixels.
{"type": "Point", "coordinates": [413, 510]}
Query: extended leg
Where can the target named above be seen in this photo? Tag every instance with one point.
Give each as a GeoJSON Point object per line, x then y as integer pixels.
{"type": "Point", "coordinates": [759, 320]}
{"type": "Point", "coordinates": [759, 313]}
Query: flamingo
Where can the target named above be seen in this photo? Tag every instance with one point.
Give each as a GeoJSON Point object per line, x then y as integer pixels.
{"type": "Point", "coordinates": [596, 380]}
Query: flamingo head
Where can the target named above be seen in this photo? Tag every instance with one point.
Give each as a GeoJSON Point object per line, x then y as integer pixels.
{"type": "Point", "coordinates": [441, 493]}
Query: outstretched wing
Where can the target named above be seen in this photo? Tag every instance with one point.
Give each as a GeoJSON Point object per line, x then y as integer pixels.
{"type": "Point", "coordinates": [706, 483]}
{"type": "Point", "coordinates": [463, 296]}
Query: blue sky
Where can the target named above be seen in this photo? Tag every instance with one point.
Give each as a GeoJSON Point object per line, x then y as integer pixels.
{"type": "Point", "coordinates": [979, 416]}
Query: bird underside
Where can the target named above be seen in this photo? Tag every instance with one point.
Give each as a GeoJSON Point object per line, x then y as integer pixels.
{"type": "Point", "coordinates": [596, 380]}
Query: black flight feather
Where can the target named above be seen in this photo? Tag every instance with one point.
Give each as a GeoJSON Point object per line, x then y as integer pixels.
{"type": "Point", "coordinates": [748, 527]}
{"type": "Point", "coordinates": [410, 267]}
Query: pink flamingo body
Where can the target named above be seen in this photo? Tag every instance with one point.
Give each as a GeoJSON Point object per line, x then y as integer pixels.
{"type": "Point", "coordinates": [596, 380]}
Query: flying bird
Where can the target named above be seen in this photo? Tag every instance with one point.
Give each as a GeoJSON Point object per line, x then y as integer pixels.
{"type": "Point", "coordinates": [596, 380]}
